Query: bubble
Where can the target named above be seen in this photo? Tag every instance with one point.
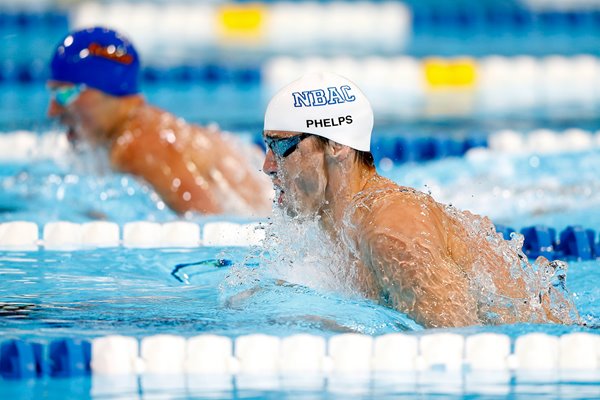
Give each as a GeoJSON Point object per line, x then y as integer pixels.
{"type": "Point", "coordinates": [534, 161]}
{"type": "Point", "coordinates": [386, 164]}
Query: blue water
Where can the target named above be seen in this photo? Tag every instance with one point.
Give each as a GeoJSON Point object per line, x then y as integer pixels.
{"type": "Point", "coordinates": [515, 190]}
{"type": "Point", "coordinates": [129, 291]}
{"type": "Point", "coordinates": [51, 294]}
{"type": "Point", "coordinates": [132, 292]}
{"type": "Point", "coordinates": [86, 294]}
{"type": "Point", "coordinates": [402, 386]}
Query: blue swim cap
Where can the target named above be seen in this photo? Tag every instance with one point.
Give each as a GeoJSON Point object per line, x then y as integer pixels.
{"type": "Point", "coordinates": [100, 58]}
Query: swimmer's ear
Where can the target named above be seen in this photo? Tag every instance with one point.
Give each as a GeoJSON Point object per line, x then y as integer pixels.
{"type": "Point", "coordinates": [338, 151]}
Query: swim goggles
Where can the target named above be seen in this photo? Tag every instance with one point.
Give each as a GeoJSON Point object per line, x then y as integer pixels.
{"type": "Point", "coordinates": [66, 95]}
{"type": "Point", "coordinates": [283, 147]}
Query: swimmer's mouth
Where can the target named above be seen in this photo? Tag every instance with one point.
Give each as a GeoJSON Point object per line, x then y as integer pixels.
{"type": "Point", "coordinates": [71, 135]}
{"type": "Point", "coordinates": [279, 194]}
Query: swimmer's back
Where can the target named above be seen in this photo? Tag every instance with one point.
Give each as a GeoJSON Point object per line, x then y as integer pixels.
{"type": "Point", "coordinates": [191, 167]}
{"type": "Point", "coordinates": [453, 248]}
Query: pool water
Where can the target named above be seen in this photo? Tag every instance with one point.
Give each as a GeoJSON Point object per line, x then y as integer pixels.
{"type": "Point", "coordinates": [401, 386]}
{"type": "Point", "coordinates": [131, 291]}
{"type": "Point", "coordinates": [556, 189]}
{"type": "Point", "coordinates": [517, 190]}
{"type": "Point", "coordinates": [96, 292]}
{"type": "Point", "coordinates": [87, 293]}
{"type": "Point", "coordinates": [90, 293]}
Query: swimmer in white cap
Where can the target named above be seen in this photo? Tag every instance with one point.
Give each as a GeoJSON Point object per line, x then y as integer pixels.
{"type": "Point", "coordinates": [440, 266]}
{"type": "Point", "coordinates": [95, 95]}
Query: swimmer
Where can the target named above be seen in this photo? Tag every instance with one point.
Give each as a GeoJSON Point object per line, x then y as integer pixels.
{"type": "Point", "coordinates": [440, 266]}
{"type": "Point", "coordinates": [95, 94]}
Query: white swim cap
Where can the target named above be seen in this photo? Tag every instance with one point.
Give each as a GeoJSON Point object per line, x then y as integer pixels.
{"type": "Point", "coordinates": [323, 104]}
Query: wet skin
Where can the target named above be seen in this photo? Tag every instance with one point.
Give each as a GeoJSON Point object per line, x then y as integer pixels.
{"type": "Point", "coordinates": [190, 167]}
{"type": "Point", "coordinates": [411, 252]}
{"type": "Point", "coordinates": [301, 189]}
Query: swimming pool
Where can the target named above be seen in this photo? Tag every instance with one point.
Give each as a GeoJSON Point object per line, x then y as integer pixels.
{"type": "Point", "coordinates": [86, 293]}
{"type": "Point", "coordinates": [50, 293]}
{"type": "Point", "coordinates": [166, 285]}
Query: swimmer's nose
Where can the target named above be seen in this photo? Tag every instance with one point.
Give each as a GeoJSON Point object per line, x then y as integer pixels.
{"type": "Point", "coordinates": [270, 165]}
{"type": "Point", "coordinates": [55, 109]}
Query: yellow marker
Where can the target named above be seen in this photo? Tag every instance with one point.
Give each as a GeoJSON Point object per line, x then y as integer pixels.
{"type": "Point", "coordinates": [241, 22]}
{"type": "Point", "coordinates": [459, 73]}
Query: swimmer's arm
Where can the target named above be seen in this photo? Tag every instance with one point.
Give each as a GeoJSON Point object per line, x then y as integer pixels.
{"type": "Point", "coordinates": [160, 164]}
{"type": "Point", "coordinates": [408, 256]}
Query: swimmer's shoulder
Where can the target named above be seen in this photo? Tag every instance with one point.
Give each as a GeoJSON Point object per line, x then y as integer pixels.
{"type": "Point", "coordinates": [139, 135]}
{"type": "Point", "coordinates": [382, 192]}
{"type": "Point", "coordinates": [387, 205]}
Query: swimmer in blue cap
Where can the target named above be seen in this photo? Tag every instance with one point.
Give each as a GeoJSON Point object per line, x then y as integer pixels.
{"type": "Point", "coordinates": [441, 266]}
{"type": "Point", "coordinates": [95, 94]}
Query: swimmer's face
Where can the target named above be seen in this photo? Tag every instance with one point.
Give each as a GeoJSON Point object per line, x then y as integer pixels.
{"type": "Point", "coordinates": [83, 111]}
{"type": "Point", "coordinates": [297, 172]}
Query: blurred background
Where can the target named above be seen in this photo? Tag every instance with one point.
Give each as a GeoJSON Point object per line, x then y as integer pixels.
{"type": "Point", "coordinates": [429, 66]}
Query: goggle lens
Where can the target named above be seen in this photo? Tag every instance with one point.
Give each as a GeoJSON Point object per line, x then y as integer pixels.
{"type": "Point", "coordinates": [66, 95]}
{"type": "Point", "coordinates": [283, 147]}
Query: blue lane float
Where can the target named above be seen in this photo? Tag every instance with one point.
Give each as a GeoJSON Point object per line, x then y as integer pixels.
{"type": "Point", "coordinates": [21, 360]}
{"type": "Point", "coordinates": [402, 149]}
{"type": "Point", "coordinates": [26, 20]}
{"type": "Point", "coordinates": [572, 243]}
{"type": "Point", "coordinates": [247, 75]}
{"type": "Point", "coordinates": [61, 358]}
{"type": "Point", "coordinates": [509, 25]}
{"type": "Point", "coordinates": [212, 73]}
{"type": "Point", "coordinates": [70, 357]}
{"type": "Point", "coordinates": [539, 241]}
{"type": "Point", "coordinates": [576, 242]}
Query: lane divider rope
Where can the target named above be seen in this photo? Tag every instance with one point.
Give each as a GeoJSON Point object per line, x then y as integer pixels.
{"type": "Point", "coordinates": [394, 146]}
{"type": "Point", "coordinates": [572, 243]}
{"type": "Point", "coordinates": [265, 354]}
{"type": "Point", "coordinates": [69, 236]}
